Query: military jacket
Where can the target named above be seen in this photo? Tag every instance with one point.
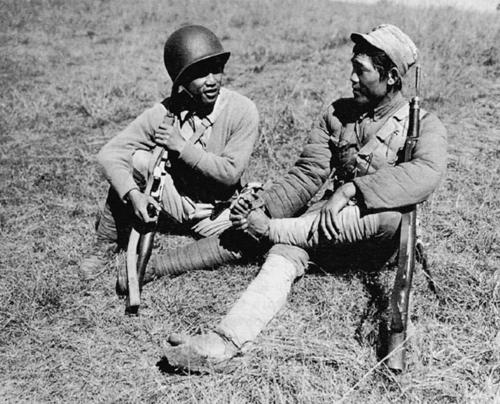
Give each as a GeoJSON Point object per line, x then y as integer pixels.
{"type": "Point", "coordinates": [364, 147]}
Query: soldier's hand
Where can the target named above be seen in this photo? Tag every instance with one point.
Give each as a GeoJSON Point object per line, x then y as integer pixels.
{"type": "Point", "coordinates": [241, 206]}
{"type": "Point", "coordinates": [239, 222]}
{"type": "Point", "coordinates": [256, 223]}
{"type": "Point", "coordinates": [170, 137]}
{"type": "Point", "coordinates": [141, 204]}
{"type": "Point", "coordinates": [327, 221]}
{"type": "Point", "coordinates": [247, 200]}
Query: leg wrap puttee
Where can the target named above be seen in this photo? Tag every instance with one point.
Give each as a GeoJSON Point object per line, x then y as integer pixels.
{"type": "Point", "coordinates": [262, 300]}
{"type": "Point", "coordinates": [205, 253]}
{"type": "Point", "coordinates": [294, 231]}
{"type": "Point", "coordinates": [353, 228]}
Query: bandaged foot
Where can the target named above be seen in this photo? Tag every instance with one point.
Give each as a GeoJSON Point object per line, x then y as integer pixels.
{"type": "Point", "coordinates": [200, 353]}
{"type": "Point", "coordinates": [264, 297]}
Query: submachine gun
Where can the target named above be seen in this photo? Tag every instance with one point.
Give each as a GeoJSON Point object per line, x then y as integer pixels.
{"type": "Point", "coordinates": [140, 243]}
{"type": "Point", "coordinates": [407, 250]}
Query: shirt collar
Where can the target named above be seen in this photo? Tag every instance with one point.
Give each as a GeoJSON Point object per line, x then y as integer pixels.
{"type": "Point", "coordinates": [220, 103]}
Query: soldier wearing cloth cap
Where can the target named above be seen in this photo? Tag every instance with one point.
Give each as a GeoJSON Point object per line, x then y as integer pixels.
{"type": "Point", "coordinates": [209, 133]}
{"type": "Point", "coordinates": [357, 144]}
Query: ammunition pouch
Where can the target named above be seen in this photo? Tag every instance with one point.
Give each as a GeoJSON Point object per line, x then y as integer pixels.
{"type": "Point", "coordinates": [383, 150]}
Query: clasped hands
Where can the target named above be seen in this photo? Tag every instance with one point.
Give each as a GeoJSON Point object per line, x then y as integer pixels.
{"type": "Point", "coordinates": [247, 216]}
{"type": "Point", "coordinates": [255, 221]}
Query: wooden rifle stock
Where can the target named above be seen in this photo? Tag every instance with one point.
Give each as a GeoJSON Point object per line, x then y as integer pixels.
{"type": "Point", "coordinates": [406, 262]}
{"type": "Point", "coordinates": [140, 242]}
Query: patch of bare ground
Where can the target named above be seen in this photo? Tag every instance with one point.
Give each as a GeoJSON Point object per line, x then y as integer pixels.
{"type": "Point", "coordinates": [74, 73]}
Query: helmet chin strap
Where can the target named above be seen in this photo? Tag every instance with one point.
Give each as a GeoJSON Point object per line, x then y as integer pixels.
{"type": "Point", "coordinates": [182, 94]}
{"type": "Point", "coordinates": [200, 108]}
{"type": "Point", "coordinates": [181, 89]}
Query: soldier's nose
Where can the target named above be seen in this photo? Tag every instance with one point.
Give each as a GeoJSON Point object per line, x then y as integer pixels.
{"type": "Point", "coordinates": [210, 79]}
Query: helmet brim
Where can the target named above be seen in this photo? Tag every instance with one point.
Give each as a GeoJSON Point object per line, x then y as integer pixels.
{"type": "Point", "coordinates": [223, 56]}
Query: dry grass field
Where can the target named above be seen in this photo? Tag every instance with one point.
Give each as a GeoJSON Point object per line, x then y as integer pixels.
{"type": "Point", "coordinates": [73, 73]}
{"type": "Point", "coordinates": [469, 5]}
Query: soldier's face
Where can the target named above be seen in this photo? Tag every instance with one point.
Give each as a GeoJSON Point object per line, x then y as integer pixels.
{"type": "Point", "coordinates": [204, 83]}
{"type": "Point", "coordinates": [367, 86]}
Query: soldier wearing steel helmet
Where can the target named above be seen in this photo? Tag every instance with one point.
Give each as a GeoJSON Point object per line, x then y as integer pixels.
{"type": "Point", "coordinates": [209, 133]}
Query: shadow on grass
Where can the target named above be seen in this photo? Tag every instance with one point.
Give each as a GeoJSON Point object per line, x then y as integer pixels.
{"type": "Point", "coordinates": [374, 265]}
{"type": "Point", "coordinates": [376, 269]}
{"type": "Point", "coordinates": [226, 367]}
{"type": "Point", "coordinates": [166, 368]}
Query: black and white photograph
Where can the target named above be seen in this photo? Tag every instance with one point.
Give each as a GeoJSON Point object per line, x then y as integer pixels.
{"type": "Point", "coordinates": [250, 201]}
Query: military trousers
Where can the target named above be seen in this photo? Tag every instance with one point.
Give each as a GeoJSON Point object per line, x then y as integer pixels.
{"type": "Point", "coordinates": [363, 239]}
{"type": "Point", "coordinates": [117, 217]}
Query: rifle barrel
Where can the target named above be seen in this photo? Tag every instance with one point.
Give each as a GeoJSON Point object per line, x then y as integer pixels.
{"type": "Point", "coordinates": [406, 263]}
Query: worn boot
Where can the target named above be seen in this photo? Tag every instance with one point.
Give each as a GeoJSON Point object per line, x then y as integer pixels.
{"type": "Point", "coordinates": [97, 260]}
{"type": "Point", "coordinates": [112, 228]}
{"type": "Point", "coordinates": [200, 353]}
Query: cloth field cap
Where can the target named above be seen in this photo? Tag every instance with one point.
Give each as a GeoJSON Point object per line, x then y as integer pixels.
{"type": "Point", "coordinates": [394, 42]}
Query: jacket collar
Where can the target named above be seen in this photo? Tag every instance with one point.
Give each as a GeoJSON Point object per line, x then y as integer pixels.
{"type": "Point", "coordinates": [389, 107]}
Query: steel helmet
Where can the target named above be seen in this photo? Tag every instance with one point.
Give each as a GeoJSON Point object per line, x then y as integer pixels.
{"type": "Point", "coordinates": [189, 45]}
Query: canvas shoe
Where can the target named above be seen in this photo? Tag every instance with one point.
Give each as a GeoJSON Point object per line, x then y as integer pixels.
{"type": "Point", "coordinates": [200, 353]}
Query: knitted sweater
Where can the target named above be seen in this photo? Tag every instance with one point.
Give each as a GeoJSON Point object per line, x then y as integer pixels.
{"type": "Point", "coordinates": [212, 172]}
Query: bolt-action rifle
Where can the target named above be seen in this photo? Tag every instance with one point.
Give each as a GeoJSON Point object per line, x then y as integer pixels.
{"type": "Point", "coordinates": [407, 245]}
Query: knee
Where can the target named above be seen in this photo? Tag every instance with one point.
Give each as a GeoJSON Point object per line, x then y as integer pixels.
{"type": "Point", "coordinates": [354, 228]}
{"type": "Point", "coordinates": [389, 223]}
{"type": "Point", "coordinates": [375, 226]}
{"type": "Point", "coordinates": [296, 255]}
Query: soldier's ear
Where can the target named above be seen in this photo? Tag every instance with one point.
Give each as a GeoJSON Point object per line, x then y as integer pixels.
{"type": "Point", "coordinates": [393, 76]}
